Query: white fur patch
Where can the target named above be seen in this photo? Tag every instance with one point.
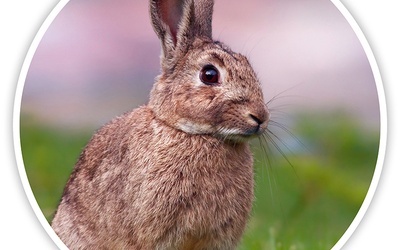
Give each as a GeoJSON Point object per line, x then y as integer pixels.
{"type": "Point", "coordinates": [193, 128]}
{"type": "Point", "coordinates": [229, 131]}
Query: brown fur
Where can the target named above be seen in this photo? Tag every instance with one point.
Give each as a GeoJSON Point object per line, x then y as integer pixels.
{"type": "Point", "coordinates": [176, 173]}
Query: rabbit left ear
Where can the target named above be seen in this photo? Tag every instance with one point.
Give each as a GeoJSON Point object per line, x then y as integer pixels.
{"type": "Point", "coordinates": [178, 22]}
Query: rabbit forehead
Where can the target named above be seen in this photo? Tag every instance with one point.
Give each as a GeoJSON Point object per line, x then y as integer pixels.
{"type": "Point", "coordinates": [216, 52]}
{"type": "Point", "coordinates": [233, 67]}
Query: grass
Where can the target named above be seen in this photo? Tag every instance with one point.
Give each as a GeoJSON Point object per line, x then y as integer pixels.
{"type": "Point", "coordinates": [305, 200]}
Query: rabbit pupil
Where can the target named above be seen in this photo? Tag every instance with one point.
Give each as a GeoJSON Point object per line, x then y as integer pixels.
{"type": "Point", "coordinates": [209, 75]}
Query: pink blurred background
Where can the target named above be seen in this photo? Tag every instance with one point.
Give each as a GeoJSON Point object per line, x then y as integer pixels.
{"type": "Point", "coordinates": [99, 59]}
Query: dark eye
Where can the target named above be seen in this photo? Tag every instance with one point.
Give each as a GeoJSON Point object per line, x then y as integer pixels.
{"type": "Point", "coordinates": [209, 75]}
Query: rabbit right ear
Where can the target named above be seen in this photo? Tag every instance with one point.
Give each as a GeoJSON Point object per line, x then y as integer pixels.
{"type": "Point", "coordinates": [177, 23]}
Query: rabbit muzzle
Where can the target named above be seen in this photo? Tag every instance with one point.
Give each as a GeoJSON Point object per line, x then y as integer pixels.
{"type": "Point", "coordinates": [257, 121]}
{"type": "Point", "coordinates": [260, 123]}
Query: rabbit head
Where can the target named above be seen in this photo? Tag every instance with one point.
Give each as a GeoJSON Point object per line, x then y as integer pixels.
{"type": "Point", "coordinates": [204, 87]}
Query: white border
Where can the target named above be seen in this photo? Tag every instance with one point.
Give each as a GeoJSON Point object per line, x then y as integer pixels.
{"type": "Point", "coordinates": [379, 228]}
{"type": "Point", "coordinates": [383, 126]}
{"type": "Point", "coordinates": [16, 122]}
{"type": "Point", "coordinates": [379, 85]}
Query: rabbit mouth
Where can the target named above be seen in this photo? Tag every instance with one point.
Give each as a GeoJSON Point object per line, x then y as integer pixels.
{"type": "Point", "coordinates": [255, 131]}
{"type": "Point", "coordinates": [244, 134]}
{"type": "Point", "coordinates": [252, 127]}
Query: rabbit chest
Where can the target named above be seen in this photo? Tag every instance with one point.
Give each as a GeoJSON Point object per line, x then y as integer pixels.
{"type": "Point", "coordinates": [192, 187]}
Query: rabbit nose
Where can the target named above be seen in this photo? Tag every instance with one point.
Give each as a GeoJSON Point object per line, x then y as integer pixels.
{"type": "Point", "coordinates": [261, 118]}
{"type": "Point", "coordinates": [256, 119]}
{"type": "Point", "coordinates": [260, 115]}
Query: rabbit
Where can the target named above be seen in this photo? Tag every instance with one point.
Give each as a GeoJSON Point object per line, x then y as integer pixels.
{"type": "Point", "coordinates": [176, 173]}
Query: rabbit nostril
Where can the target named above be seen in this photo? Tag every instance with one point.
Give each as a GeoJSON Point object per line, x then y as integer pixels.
{"type": "Point", "coordinates": [256, 119]}
{"type": "Point", "coordinates": [257, 124]}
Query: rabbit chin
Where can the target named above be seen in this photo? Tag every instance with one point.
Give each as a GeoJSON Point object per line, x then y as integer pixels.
{"type": "Point", "coordinates": [227, 134]}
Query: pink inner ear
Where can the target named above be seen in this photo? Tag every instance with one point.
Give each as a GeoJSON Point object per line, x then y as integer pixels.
{"type": "Point", "coordinates": [171, 13]}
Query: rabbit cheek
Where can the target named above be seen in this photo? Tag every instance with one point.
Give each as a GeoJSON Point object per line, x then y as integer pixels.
{"type": "Point", "coordinates": [197, 110]}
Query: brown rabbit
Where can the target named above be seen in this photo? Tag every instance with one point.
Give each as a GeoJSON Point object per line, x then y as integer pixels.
{"type": "Point", "coordinates": [176, 173]}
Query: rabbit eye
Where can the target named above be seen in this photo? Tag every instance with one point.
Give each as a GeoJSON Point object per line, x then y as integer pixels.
{"type": "Point", "coordinates": [209, 75]}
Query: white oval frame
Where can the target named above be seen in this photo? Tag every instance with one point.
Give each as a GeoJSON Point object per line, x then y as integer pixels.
{"type": "Point", "coordinates": [382, 106]}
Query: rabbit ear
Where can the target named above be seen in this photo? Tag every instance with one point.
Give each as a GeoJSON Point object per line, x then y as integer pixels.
{"type": "Point", "coordinates": [177, 23]}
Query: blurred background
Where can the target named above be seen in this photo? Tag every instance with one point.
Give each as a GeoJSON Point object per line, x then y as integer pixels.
{"type": "Point", "coordinates": [99, 59]}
